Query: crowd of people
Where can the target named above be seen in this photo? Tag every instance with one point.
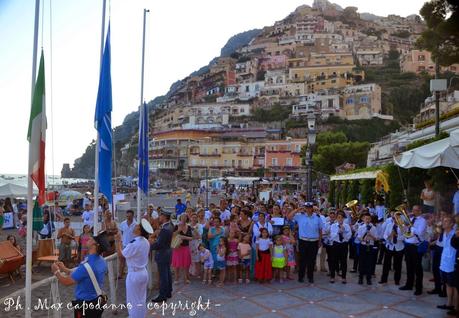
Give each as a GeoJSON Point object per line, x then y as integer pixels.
{"type": "Point", "coordinates": [243, 240]}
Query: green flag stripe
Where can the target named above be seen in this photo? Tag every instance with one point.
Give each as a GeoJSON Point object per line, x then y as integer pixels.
{"type": "Point", "coordinates": [39, 91]}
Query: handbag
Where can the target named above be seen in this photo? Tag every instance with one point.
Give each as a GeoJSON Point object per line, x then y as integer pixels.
{"type": "Point", "coordinates": [102, 297]}
{"type": "Point", "coordinates": [176, 241]}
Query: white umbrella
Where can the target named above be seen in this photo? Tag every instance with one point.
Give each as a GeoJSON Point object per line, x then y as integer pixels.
{"type": "Point", "coordinates": [14, 191]}
{"type": "Point", "coordinates": [70, 195]}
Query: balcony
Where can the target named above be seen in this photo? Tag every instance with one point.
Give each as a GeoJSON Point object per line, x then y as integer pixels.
{"type": "Point", "coordinates": [210, 155]}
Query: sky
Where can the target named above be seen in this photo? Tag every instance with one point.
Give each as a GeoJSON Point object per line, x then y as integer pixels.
{"type": "Point", "coordinates": [181, 37]}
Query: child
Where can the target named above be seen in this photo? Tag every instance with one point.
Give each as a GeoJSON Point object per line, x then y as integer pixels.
{"type": "Point", "coordinates": [289, 242]}
{"type": "Point", "coordinates": [245, 252]}
{"type": "Point", "coordinates": [66, 235]}
{"type": "Point", "coordinates": [263, 266]}
{"type": "Point", "coordinates": [232, 259]}
{"type": "Point", "coordinates": [84, 239]}
{"type": "Point", "coordinates": [221, 260]}
{"type": "Point", "coordinates": [208, 263]}
{"type": "Point", "coordinates": [279, 259]}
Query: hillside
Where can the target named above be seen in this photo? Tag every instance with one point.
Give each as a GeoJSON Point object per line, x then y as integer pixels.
{"type": "Point", "coordinates": [303, 39]}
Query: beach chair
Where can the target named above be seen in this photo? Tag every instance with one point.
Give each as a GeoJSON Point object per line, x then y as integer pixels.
{"type": "Point", "coordinates": [46, 251]}
{"type": "Point", "coordinates": [11, 259]}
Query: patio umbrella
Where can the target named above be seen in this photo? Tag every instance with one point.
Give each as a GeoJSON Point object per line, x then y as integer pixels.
{"type": "Point", "coordinates": [70, 195]}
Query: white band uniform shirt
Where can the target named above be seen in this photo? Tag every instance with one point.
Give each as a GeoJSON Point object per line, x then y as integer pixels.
{"type": "Point", "coordinates": [418, 229]}
{"type": "Point", "coordinates": [136, 254]}
{"type": "Point", "coordinates": [398, 245]}
{"type": "Point", "coordinates": [326, 231]}
{"type": "Point", "coordinates": [365, 230]}
{"type": "Point", "coordinates": [346, 233]}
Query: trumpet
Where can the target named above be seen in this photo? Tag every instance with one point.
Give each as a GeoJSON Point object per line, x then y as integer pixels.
{"type": "Point", "coordinates": [403, 220]}
{"type": "Point", "coordinates": [353, 206]}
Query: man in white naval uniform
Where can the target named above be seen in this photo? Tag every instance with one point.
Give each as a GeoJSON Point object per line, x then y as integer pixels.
{"type": "Point", "coordinates": [136, 255]}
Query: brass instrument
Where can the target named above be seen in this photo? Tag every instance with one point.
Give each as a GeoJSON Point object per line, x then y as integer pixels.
{"type": "Point", "coordinates": [402, 219]}
{"type": "Point", "coordinates": [353, 206]}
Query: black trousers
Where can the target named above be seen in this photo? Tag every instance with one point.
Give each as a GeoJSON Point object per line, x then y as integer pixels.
{"type": "Point", "coordinates": [355, 264]}
{"type": "Point", "coordinates": [339, 259]}
{"type": "Point", "coordinates": [436, 258]}
{"type": "Point", "coordinates": [308, 254]}
{"type": "Point", "coordinates": [374, 259]}
{"type": "Point", "coordinates": [413, 267]}
{"type": "Point", "coordinates": [382, 250]}
{"type": "Point", "coordinates": [366, 259]}
{"type": "Point", "coordinates": [328, 248]}
{"type": "Point", "coordinates": [397, 257]}
{"type": "Point", "coordinates": [165, 279]}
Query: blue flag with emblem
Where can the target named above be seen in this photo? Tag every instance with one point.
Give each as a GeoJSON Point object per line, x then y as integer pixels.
{"type": "Point", "coordinates": [103, 123]}
{"type": "Point", "coordinates": [143, 149]}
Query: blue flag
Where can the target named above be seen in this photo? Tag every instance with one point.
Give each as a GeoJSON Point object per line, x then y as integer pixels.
{"type": "Point", "coordinates": [103, 123]}
{"type": "Point", "coordinates": [143, 150]}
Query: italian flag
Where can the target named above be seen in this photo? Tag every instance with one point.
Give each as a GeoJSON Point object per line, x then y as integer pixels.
{"type": "Point", "coordinates": [37, 134]}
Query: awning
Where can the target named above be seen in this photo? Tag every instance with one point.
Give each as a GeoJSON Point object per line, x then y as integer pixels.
{"type": "Point", "coordinates": [14, 191]}
{"type": "Point", "coordinates": [441, 153]}
{"type": "Point", "coordinates": [355, 176]}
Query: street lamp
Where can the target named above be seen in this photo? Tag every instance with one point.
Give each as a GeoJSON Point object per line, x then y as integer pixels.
{"type": "Point", "coordinates": [312, 134]}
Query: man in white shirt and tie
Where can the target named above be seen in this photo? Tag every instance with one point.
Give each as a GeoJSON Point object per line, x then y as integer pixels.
{"type": "Point", "coordinates": [414, 251]}
{"type": "Point", "coordinates": [393, 237]}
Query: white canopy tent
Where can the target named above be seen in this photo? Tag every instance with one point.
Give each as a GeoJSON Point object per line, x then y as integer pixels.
{"type": "Point", "coordinates": [441, 153]}
{"type": "Point", "coordinates": [14, 191]}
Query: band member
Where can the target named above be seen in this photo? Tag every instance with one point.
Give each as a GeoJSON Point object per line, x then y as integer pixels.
{"type": "Point", "coordinates": [355, 244]}
{"type": "Point", "coordinates": [136, 255]}
{"type": "Point", "coordinates": [447, 262]}
{"type": "Point", "coordinates": [436, 246]}
{"type": "Point", "coordinates": [163, 256]}
{"type": "Point", "coordinates": [414, 251]}
{"type": "Point", "coordinates": [367, 236]}
{"type": "Point", "coordinates": [340, 234]}
{"type": "Point", "coordinates": [310, 238]}
{"type": "Point", "coordinates": [327, 243]}
{"type": "Point", "coordinates": [393, 237]}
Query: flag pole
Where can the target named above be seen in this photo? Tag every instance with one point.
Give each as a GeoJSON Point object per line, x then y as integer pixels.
{"type": "Point", "coordinates": [28, 281]}
{"type": "Point", "coordinates": [96, 167]}
{"type": "Point", "coordinates": [141, 112]}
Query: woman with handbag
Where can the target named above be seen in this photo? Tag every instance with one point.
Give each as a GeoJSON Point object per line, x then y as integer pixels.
{"type": "Point", "coordinates": [181, 254]}
{"type": "Point", "coordinates": [89, 279]}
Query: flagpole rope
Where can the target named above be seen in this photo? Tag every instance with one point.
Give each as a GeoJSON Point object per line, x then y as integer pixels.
{"type": "Point", "coordinates": [42, 22]}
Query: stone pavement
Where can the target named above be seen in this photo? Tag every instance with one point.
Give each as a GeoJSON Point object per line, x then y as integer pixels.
{"type": "Point", "coordinates": [292, 299]}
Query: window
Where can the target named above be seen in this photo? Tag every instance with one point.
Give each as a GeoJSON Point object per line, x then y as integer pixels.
{"type": "Point", "coordinates": [349, 101]}
{"type": "Point", "coordinates": [330, 103]}
{"type": "Point", "coordinates": [364, 99]}
{"type": "Point", "coordinates": [421, 58]}
{"type": "Point", "coordinates": [289, 162]}
{"type": "Point", "coordinates": [247, 88]}
{"type": "Point", "coordinates": [274, 161]}
{"type": "Point", "coordinates": [297, 148]}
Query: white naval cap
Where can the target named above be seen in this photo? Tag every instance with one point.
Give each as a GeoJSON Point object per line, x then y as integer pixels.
{"type": "Point", "coordinates": [146, 226]}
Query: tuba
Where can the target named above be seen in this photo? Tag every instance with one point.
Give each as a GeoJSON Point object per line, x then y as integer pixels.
{"type": "Point", "coordinates": [353, 206]}
{"type": "Point", "coordinates": [402, 219]}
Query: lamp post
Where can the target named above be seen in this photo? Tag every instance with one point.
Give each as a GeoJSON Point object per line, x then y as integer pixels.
{"type": "Point", "coordinates": [312, 134]}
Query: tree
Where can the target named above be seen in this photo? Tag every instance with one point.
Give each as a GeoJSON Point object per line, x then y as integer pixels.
{"type": "Point", "coordinates": [328, 157]}
{"type": "Point", "coordinates": [442, 34]}
{"type": "Point", "coordinates": [331, 193]}
{"type": "Point", "coordinates": [331, 137]}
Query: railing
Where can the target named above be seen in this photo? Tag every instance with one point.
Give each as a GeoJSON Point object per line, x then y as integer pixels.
{"type": "Point", "coordinates": [66, 296]}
